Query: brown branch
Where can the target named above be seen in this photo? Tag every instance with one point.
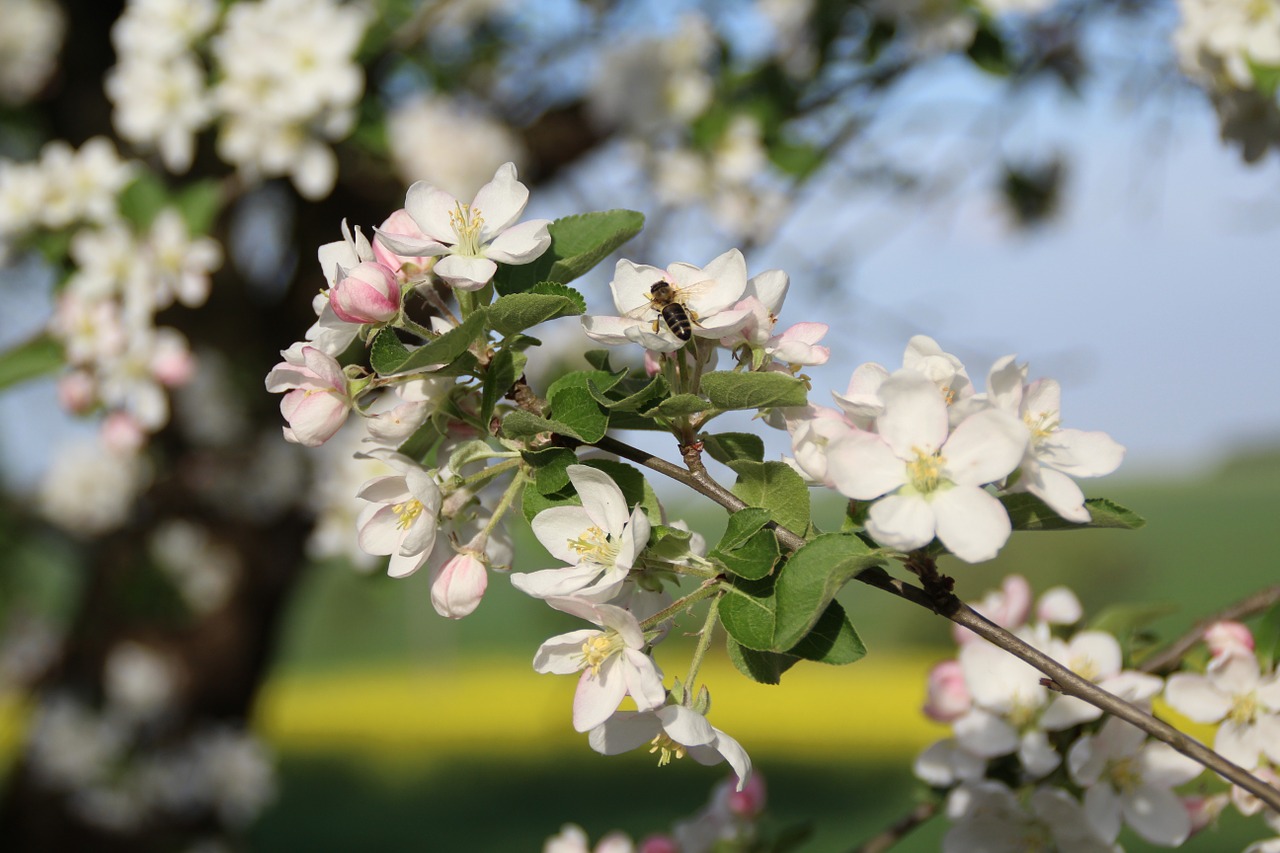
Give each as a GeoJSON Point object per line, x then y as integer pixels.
{"type": "Point", "coordinates": [899, 830]}
{"type": "Point", "coordinates": [1166, 660]}
{"type": "Point", "coordinates": [957, 611]}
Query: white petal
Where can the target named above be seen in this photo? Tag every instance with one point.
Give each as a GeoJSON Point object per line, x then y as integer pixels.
{"type": "Point", "coordinates": [624, 731]}
{"type": "Point", "coordinates": [1234, 674]}
{"type": "Point", "coordinates": [501, 201]}
{"type": "Point", "coordinates": [562, 654]}
{"type": "Point", "coordinates": [1038, 757]}
{"type": "Point", "coordinates": [430, 208]}
{"type": "Point", "coordinates": [905, 522]}
{"type": "Point", "coordinates": [914, 419]}
{"type": "Point", "coordinates": [1067, 711]}
{"type": "Point", "coordinates": [465, 273]}
{"type": "Point", "coordinates": [1240, 743]}
{"type": "Point", "coordinates": [550, 583]}
{"type": "Point", "coordinates": [644, 680]}
{"type": "Point", "coordinates": [557, 526]}
{"type": "Point", "coordinates": [1157, 815]}
{"type": "Point", "coordinates": [401, 566]}
{"type": "Point", "coordinates": [1079, 453]}
{"type": "Point", "coordinates": [1102, 808]}
{"type": "Point", "coordinates": [1056, 489]}
{"type": "Point", "coordinates": [971, 523]}
{"type": "Point", "coordinates": [770, 287]}
{"type": "Point", "coordinates": [1194, 697]}
{"type": "Point", "coordinates": [862, 466]}
{"type": "Point", "coordinates": [389, 489]}
{"type": "Point", "coordinates": [685, 726]}
{"type": "Point", "coordinates": [520, 244]}
{"type": "Point", "coordinates": [611, 330]}
{"type": "Point", "coordinates": [601, 498]}
{"type": "Point", "coordinates": [984, 734]}
{"type": "Point", "coordinates": [985, 447]}
{"type": "Point", "coordinates": [410, 247]}
{"type": "Point", "coordinates": [1163, 766]}
{"type": "Point", "coordinates": [598, 695]}
{"type": "Point", "coordinates": [380, 534]}
{"type": "Point", "coordinates": [630, 286]}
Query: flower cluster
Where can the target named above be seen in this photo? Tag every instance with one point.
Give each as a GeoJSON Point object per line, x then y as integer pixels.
{"type": "Point", "coordinates": [1221, 42]}
{"type": "Point", "coordinates": [1027, 766]}
{"type": "Point", "coordinates": [29, 45]}
{"type": "Point", "coordinates": [286, 83]}
{"type": "Point", "coordinates": [924, 447]}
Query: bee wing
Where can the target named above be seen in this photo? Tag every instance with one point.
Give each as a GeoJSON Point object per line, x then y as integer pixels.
{"type": "Point", "coordinates": [696, 292]}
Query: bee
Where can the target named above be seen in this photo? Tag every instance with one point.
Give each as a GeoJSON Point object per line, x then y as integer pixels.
{"type": "Point", "coordinates": [664, 298]}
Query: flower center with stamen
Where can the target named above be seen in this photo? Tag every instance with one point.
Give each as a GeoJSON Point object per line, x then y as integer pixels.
{"type": "Point", "coordinates": [598, 649]}
{"type": "Point", "coordinates": [407, 512]}
{"type": "Point", "coordinates": [948, 394]}
{"type": "Point", "coordinates": [1085, 667]}
{"type": "Point", "coordinates": [1244, 708]}
{"type": "Point", "coordinates": [1124, 773]}
{"type": "Point", "coordinates": [1041, 424]}
{"type": "Point", "coordinates": [467, 222]}
{"type": "Point", "coordinates": [595, 545]}
{"type": "Point", "coordinates": [925, 470]}
{"type": "Point", "coordinates": [666, 749]}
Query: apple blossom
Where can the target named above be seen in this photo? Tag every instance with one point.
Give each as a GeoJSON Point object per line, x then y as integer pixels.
{"type": "Point", "coordinates": [318, 397]}
{"type": "Point", "coordinates": [1129, 778]}
{"type": "Point", "coordinates": [992, 818]}
{"type": "Point", "coordinates": [1234, 693]}
{"type": "Point", "coordinates": [612, 662]}
{"type": "Point", "coordinates": [1225, 637]}
{"type": "Point", "coordinates": [948, 696]}
{"type": "Point", "coordinates": [472, 238]}
{"type": "Point", "coordinates": [407, 269]}
{"type": "Point", "coordinates": [458, 585]}
{"type": "Point", "coordinates": [599, 540]}
{"type": "Point", "coordinates": [366, 293]}
{"type": "Point", "coordinates": [674, 731]}
{"type": "Point", "coordinates": [402, 516]}
{"type": "Point", "coordinates": [924, 481]}
{"type": "Point", "coordinates": [707, 294]}
{"type": "Point", "coordinates": [573, 839]}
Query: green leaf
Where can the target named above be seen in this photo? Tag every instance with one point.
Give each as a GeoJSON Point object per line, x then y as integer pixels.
{"type": "Point", "coordinates": [680, 404]}
{"type": "Point", "coordinates": [742, 525]}
{"type": "Point", "coordinates": [199, 203]}
{"type": "Point", "coordinates": [555, 288]}
{"type": "Point", "coordinates": [810, 580]}
{"type": "Point", "coordinates": [832, 640]}
{"type": "Point", "coordinates": [578, 243]}
{"type": "Point", "coordinates": [1266, 638]}
{"type": "Point", "coordinates": [988, 52]}
{"type": "Point", "coordinates": [520, 311]}
{"type": "Point", "coordinates": [386, 358]}
{"type": "Point", "coordinates": [747, 612]}
{"type": "Point", "coordinates": [550, 468]}
{"type": "Point", "coordinates": [1126, 619]}
{"type": "Point", "coordinates": [599, 359]}
{"type": "Point", "coordinates": [504, 369]}
{"type": "Point", "coordinates": [761, 667]}
{"type": "Point", "coordinates": [142, 200]}
{"type": "Point", "coordinates": [727, 447]}
{"type": "Point", "coordinates": [752, 559]}
{"type": "Point", "coordinates": [728, 390]}
{"type": "Point", "coordinates": [630, 396]}
{"type": "Point", "coordinates": [584, 379]}
{"type": "Point", "coordinates": [577, 409]}
{"type": "Point", "coordinates": [1028, 512]}
{"type": "Point", "coordinates": [1266, 78]}
{"type": "Point", "coordinates": [31, 359]}
{"type": "Point", "coordinates": [777, 488]}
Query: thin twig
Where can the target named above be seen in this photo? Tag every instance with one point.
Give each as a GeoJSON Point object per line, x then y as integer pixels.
{"type": "Point", "coordinates": [899, 830]}
{"type": "Point", "coordinates": [957, 611]}
{"type": "Point", "coordinates": [1165, 660]}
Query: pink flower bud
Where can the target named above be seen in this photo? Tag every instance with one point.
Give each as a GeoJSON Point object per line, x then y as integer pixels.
{"type": "Point", "coordinates": [1203, 811]}
{"type": "Point", "coordinates": [750, 801]}
{"type": "Point", "coordinates": [318, 403]}
{"type": "Point", "coordinates": [401, 224]}
{"type": "Point", "coordinates": [1008, 607]}
{"type": "Point", "coordinates": [457, 587]}
{"type": "Point", "coordinates": [77, 392]}
{"type": "Point", "coordinates": [121, 433]}
{"type": "Point", "coordinates": [369, 294]}
{"type": "Point", "coordinates": [658, 844]}
{"type": "Point", "coordinates": [171, 361]}
{"type": "Point", "coordinates": [1228, 638]}
{"type": "Point", "coordinates": [651, 363]}
{"type": "Point", "coordinates": [948, 698]}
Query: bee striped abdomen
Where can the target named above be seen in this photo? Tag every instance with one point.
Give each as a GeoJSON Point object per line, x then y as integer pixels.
{"type": "Point", "coordinates": [677, 320]}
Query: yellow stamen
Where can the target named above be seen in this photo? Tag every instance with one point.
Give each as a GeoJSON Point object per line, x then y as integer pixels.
{"type": "Point", "coordinates": [666, 749]}
{"type": "Point", "coordinates": [1041, 424]}
{"type": "Point", "coordinates": [598, 649]}
{"type": "Point", "coordinates": [595, 545]}
{"type": "Point", "coordinates": [926, 470]}
{"type": "Point", "coordinates": [1244, 709]}
{"type": "Point", "coordinates": [467, 223]}
{"type": "Point", "coordinates": [408, 512]}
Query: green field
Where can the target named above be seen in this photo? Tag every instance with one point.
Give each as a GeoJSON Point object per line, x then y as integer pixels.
{"type": "Point", "coordinates": [1209, 540]}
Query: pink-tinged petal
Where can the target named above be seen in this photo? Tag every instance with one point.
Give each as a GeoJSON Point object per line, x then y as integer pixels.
{"type": "Point", "coordinates": [661, 340]}
{"type": "Point", "coordinates": [1161, 765]}
{"type": "Point", "coordinates": [501, 201]}
{"type": "Point", "coordinates": [722, 323]}
{"type": "Point", "coordinates": [601, 498]}
{"type": "Point", "coordinates": [325, 368]}
{"type": "Point", "coordinates": [401, 566]}
{"type": "Point", "coordinates": [1103, 810]}
{"type": "Point", "coordinates": [1234, 675]}
{"type": "Point", "coordinates": [598, 695]}
{"type": "Point", "coordinates": [1195, 698]}
{"type": "Point", "coordinates": [904, 522]}
{"type": "Point", "coordinates": [380, 533]}
{"type": "Point", "coordinates": [557, 526]}
{"type": "Point", "coordinates": [562, 654]}
{"type": "Point", "coordinates": [458, 586]}
{"type": "Point", "coordinates": [631, 287]}
{"type": "Point", "coordinates": [1157, 815]}
{"type": "Point", "coordinates": [1056, 489]}
{"type": "Point", "coordinates": [420, 537]}
{"type": "Point", "coordinates": [625, 731]}
{"type": "Point", "coordinates": [314, 416]}
{"type": "Point", "coordinates": [520, 244]}
{"type": "Point", "coordinates": [770, 287]}
{"type": "Point", "coordinates": [862, 466]}
{"type": "Point", "coordinates": [286, 377]}
{"type": "Point", "coordinates": [432, 210]}
{"type": "Point", "coordinates": [985, 447]}
{"type": "Point", "coordinates": [985, 735]}
{"type": "Point", "coordinates": [914, 419]}
{"type": "Point", "coordinates": [550, 583]}
{"type": "Point", "coordinates": [1079, 453]}
{"type": "Point", "coordinates": [409, 247]}
{"type": "Point", "coordinates": [611, 330]}
{"type": "Point", "coordinates": [336, 256]}
{"type": "Point", "coordinates": [685, 726]}
{"type": "Point", "coordinates": [465, 273]}
{"type": "Point", "coordinates": [1059, 606]}
{"type": "Point", "coordinates": [644, 680]}
{"type": "Point", "coordinates": [971, 523]}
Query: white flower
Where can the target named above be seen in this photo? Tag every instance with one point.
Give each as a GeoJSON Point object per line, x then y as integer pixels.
{"type": "Point", "coordinates": [434, 138]}
{"type": "Point", "coordinates": [472, 238]}
{"type": "Point", "coordinates": [29, 42]}
{"type": "Point", "coordinates": [89, 490]}
{"type": "Point", "coordinates": [1128, 778]}
{"type": "Point", "coordinates": [928, 482]}
{"type": "Point", "coordinates": [161, 102]}
{"type": "Point", "coordinates": [402, 516]}
{"type": "Point", "coordinates": [138, 681]}
{"type": "Point", "coordinates": [674, 731]}
{"type": "Point", "coordinates": [1054, 455]}
{"type": "Point", "coordinates": [946, 762]}
{"type": "Point", "coordinates": [990, 817]}
{"type": "Point", "coordinates": [1007, 701]}
{"type": "Point", "coordinates": [1094, 655]}
{"type": "Point", "coordinates": [318, 397]}
{"type": "Point", "coordinates": [708, 295]}
{"type": "Point", "coordinates": [1233, 692]}
{"type": "Point", "coordinates": [458, 585]}
{"type": "Point", "coordinates": [612, 662]}
{"type": "Point", "coordinates": [599, 540]}
{"type": "Point", "coordinates": [573, 839]}
{"type": "Point", "coordinates": [180, 264]}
